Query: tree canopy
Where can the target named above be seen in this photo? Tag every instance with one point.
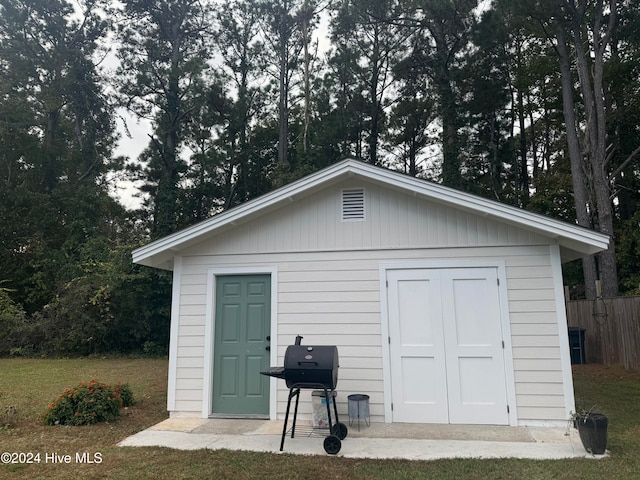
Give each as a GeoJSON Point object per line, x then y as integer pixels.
{"type": "Point", "coordinates": [535, 104]}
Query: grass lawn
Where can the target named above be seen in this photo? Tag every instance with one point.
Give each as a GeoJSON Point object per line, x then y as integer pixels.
{"type": "Point", "coordinates": [30, 385]}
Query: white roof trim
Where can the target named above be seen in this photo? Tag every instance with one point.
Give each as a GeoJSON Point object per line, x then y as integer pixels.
{"type": "Point", "coordinates": [582, 240]}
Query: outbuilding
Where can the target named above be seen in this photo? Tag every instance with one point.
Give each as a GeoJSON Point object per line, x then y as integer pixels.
{"type": "Point", "coordinates": [445, 307]}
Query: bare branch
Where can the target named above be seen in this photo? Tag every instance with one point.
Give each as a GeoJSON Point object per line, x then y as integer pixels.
{"type": "Point", "coordinates": [632, 156]}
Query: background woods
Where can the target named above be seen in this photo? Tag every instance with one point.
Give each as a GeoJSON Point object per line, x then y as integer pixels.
{"type": "Point", "coordinates": [534, 104]}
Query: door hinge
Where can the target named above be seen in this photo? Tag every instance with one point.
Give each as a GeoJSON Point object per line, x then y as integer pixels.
{"type": "Point", "coordinates": [387, 282]}
{"type": "Point", "coordinates": [498, 281]}
{"type": "Point", "coordinates": [507, 408]}
{"type": "Point", "coordinates": [389, 340]}
{"type": "Point", "coordinates": [503, 344]}
{"type": "Point", "coordinates": [392, 406]}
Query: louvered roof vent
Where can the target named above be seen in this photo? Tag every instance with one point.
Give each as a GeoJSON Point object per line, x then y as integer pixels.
{"type": "Point", "coordinates": [353, 204]}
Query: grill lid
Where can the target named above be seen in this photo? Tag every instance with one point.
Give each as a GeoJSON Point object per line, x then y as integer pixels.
{"type": "Point", "coordinates": [311, 365]}
{"type": "Point", "coordinates": [316, 364]}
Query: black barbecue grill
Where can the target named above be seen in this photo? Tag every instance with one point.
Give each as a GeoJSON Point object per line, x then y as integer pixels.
{"type": "Point", "coordinates": [311, 367]}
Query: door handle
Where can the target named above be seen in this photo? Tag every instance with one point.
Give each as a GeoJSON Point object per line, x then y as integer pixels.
{"type": "Point", "coordinates": [268, 338]}
{"type": "Point", "coordinates": [267, 348]}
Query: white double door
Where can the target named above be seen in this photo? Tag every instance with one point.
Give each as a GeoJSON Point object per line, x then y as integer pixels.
{"type": "Point", "coordinates": [446, 346]}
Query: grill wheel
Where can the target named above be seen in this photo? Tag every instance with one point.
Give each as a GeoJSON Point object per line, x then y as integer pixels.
{"type": "Point", "coordinates": [339, 430]}
{"type": "Point", "coordinates": [332, 444]}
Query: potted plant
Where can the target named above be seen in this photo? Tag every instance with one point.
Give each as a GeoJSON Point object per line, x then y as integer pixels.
{"type": "Point", "coordinates": [592, 428]}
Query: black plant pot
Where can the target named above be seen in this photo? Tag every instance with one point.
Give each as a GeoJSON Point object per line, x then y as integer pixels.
{"type": "Point", "coordinates": [593, 432]}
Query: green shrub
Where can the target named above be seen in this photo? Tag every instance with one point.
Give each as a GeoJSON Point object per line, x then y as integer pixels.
{"type": "Point", "coordinates": [88, 403]}
{"type": "Point", "coordinates": [125, 393]}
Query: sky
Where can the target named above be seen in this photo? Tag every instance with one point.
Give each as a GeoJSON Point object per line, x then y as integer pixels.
{"type": "Point", "coordinates": [125, 191]}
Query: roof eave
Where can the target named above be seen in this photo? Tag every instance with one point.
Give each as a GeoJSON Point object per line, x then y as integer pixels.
{"type": "Point", "coordinates": [583, 241]}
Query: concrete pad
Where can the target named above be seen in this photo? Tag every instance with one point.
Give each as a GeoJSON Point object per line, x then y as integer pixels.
{"type": "Point", "coordinates": [269, 428]}
{"type": "Point", "coordinates": [383, 441]}
{"type": "Point", "coordinates": [179, 424]}
{"type": "Point", "coordinates": [441, 432]}
{"type": "Point", "coordinates": [553, 435]}
{"type": "Point", "coordinates": [231, 426]}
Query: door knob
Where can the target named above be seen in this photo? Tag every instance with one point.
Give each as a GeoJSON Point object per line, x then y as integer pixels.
{"type": "Point", "coordinates": [268, 338]}
{"type": "Point", "coordinates": [267, 348]}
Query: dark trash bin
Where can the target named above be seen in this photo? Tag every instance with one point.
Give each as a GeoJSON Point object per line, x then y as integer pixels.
{"type": "Point", "coordinates": [576, 345]}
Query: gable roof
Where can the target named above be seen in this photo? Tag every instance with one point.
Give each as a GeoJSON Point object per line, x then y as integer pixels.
{"type": "Point", "coordinates": [574, 240]}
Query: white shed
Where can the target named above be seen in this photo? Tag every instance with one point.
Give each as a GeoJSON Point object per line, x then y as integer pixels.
{"type": "Point", "coordinates": [445, 307]}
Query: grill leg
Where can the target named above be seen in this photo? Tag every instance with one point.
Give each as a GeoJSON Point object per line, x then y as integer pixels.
{"type": "Point", "coordinates": [328, 400]}
{"type": "Point", "coordinates": [335, 409]}
{"type": "Point", "coordinates": [295, 413]}
{"type": "Point", "coordinates": [293, 392]}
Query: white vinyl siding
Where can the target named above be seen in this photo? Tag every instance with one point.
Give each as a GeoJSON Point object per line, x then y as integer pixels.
{"type": "Point", "coordinates": [536, 342]}
{"type": "Point", "coordinates": [328, 290]}
{"type": "Point", "coordinates": [334, 298]}
{"type": "Point", "coordinates": [394, 220]}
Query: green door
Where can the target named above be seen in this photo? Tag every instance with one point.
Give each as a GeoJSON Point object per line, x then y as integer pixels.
{"type": "Point", "coordinates": [241, 345]}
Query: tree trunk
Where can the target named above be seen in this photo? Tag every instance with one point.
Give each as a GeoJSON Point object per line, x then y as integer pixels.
{"type": "Point", "coordinates": [283, 104]}
{"type": "Point", "coordinates": [166, 200]}
{"type": "Point", "coordinates": [307, 13]}
{"type": "Point", "coordinates": [373, 92]}
{"type": "Point", "coordinates": [49, 179]}
{"type": "Point", "coordinates": [413, 152]}
{"type": "Point", "coordinates": [523, 183]}
{"type": "Point", "coordinates": [575, 155]}
{"type": "Point", "coordinates": [590, 74]}
{"type": "Point", "coordinates": [451, 175]}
